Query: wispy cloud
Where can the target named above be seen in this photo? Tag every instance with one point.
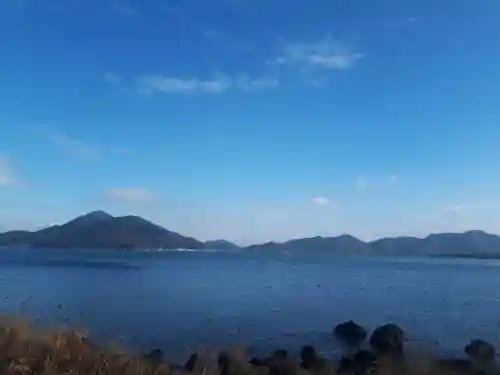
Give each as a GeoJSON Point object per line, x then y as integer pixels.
{"type": "Point", "coordinates": [393, 178]}
{"type": "Point", "coordinates": [361, 183]}
{"type": "Point", "coordinates": [73, 146]}
{"type": "Point", "coordinates": [401, 23]}
{"type": "Point", "coordinates": [131, 194]}
{"type": "Point", "coordinates": [113, 78]}
{"type": "Point", "coordinates": [81, 148]}
{"type": "Point", "coordinates": [214, 35]}
{"type": "Point", "coordinates": [125, 8]}
{"type": "Point", "coordinates": [7, 175]}
{"type": "Point", "coordinates": [217, 84]}
{"type": "Point", "coordinates": [324, 201]}
{"type": "Point", "coordinates": [249, 84]}
{"type": "Point", "coordinates": [326, 53]}
{"type": "Point", "coordinates": [472, 206]}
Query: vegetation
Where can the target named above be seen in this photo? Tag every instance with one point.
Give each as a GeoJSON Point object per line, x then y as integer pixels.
{"type": "Point", "coordinates": [26, 350]}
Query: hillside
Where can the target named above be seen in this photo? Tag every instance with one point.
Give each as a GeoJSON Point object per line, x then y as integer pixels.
{"type": "Point", "coordinates": [468, 244]}
{"type": "Point", "coordinates": [221, 245]}
{"type": "Point", "coordinates": [100, 230]}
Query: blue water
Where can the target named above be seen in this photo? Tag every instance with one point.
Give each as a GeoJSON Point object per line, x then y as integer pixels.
{"type": "Point", "coordinates": [179, 301]}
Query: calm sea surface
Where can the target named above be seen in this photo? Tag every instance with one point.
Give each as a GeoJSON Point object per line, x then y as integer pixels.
{"type": "Point", "coordinates": [179, 301]}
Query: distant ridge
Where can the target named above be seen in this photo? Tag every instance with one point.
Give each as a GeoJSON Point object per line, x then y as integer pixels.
{"type": "Point", "coordinates": [469, 244]}
{"type": "Point", "coordinates": [221, 245]}
{"type": "Point", "coordinates": [100, 230]}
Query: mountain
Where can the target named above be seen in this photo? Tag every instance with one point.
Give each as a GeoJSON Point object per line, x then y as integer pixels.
{"type": "Point", "coordinates": [345, 244]}
{"type": "Point", "coordinates": [468, 244]}
{"type": "Point", "coordinates": [100, 230]}
{"type": "Point", "coordinates": [221, 245]}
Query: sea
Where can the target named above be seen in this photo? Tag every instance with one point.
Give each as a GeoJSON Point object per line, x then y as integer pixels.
{"type": "Point", "coordinates": [180, 301]}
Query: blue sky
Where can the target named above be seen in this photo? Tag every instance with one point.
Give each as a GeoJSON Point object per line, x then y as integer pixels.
{"type": "Point", "coordinates": [252, 120]}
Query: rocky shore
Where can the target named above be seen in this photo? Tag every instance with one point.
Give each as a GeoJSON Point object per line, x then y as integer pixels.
{"type": "Point", "coordinates": [26, 350]}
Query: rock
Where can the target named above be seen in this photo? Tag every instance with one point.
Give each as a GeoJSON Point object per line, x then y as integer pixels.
{"type": "Point", "coordinates": [189, 366]}
{"type": "Point", "coordinates": [480, 351]}
{"type": "Point", "coordinates": [206, 362]}
{"type": "Point", "coordinates": [155, 356]}
{"type": "Point", "coordinates": [308, 356]}
{"type": "Point", "coordinates": [350, 333]}
{"type": "Point", "coordinates": [388, 340]}
{"type": "Point", "coordinates": [233, 362]}
{"type": "Point", "coordinates": [224, 363]}
{"type": "Point", "coordinates": [257, 362]}
{"type": "Point", "coordinates": [360, 363]}
{"type": "Point", "coordinates": [311, 360]}
{"type": "Point", "coordinates": [345, 366]}
{"type": "Point", "coordinates": [280, 364]}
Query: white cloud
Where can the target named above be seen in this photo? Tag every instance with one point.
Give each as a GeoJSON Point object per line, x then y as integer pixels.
{"type": "Point", "coordinates": [361, 183]}
{"type": "Point", "coordinates": [323, 201]}
{"type": "Point", "coordinates": [248, 84]}
{"type": "Point", "coordinates": [125, 8]}
{"type": "Point", "coordinates": [149, 84]}
{"type": "Point", "coordinates": [326, 53]}
{"type": "Point", "coordinates": [73, 146]}
{"type": "Point", "coordinates": [7, 175]}
{"type": "Point", "coordinates": [113, 78]}
{"type": "Point", "coordinates": [215, 35]}
{"type": "Point", "coordinates": [393, 178]}
{"type": "Point", "coordinates": [215, 85]}
{"type": "Point", "coordinates": [81, 149]}
{"type": "Point", "coordinates": [456, 208]}
{"type": "Point", "coordinates": [472, 206]}
{"type": "Point", "coordinates": [129, 194]}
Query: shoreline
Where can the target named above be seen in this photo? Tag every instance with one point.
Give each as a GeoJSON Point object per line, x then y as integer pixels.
{"type": "Point", "coordinates": [28, 349]}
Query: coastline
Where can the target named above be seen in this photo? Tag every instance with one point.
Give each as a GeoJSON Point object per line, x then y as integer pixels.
{"type": "Point", "coordinates": [28, 349]}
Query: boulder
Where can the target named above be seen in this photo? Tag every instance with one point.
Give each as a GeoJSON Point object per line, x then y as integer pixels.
{"type": "Point", "coordinates": [155, 356]}
{"type": "Point", "coordinates": [480, 351]}
{"type": "Point", "coordinates": [189, 366]}
{"type": "Point", "coordinates": [310, 360]}
{"type": "Point", "coordinates": [350, 334]}
{"type": "Point", "coordinates": [280, 364]}
{"type": "Point", "coordinates": [388, 340]}
{"type": "Point", "coordinates": [360, 363]}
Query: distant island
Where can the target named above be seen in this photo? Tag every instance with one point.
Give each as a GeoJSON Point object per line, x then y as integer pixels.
{"type": "Point", "coordinates": [100, 230]}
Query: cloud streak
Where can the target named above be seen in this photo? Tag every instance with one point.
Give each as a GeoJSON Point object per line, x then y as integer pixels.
{"type": "Point", "coordinates": [130, 194]}
{"type": "Point", "coordinates": [326, 53]}
{"type": "Point", "coordinates": [82, 149]}
{"type": "Point", "coordinates": [216, 85]}
{"type": "Point", "coordinates": [7, 175]}
{"type": "Point", "coordinates": [324, 201]}
{"type": "Point", "coordinates": [73, 146]}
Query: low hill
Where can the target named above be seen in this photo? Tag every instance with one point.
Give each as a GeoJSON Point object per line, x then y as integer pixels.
{"type": "Point", "coordinates": [468, 244]}
{"type": "Point", "coordinates": [221, 245]}
{"type": "Point", "coordinates": [100, 230]}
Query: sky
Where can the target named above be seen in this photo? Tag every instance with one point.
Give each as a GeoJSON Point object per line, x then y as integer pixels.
{"type": "Point", "coordinates": [252, 120]}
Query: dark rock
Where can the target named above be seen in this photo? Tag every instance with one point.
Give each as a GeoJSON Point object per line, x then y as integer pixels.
{"type": "Point", "coordinates": [257, 362]}
{"type": "Point", "coordinates": [189, 366]}
{"type": "Point", "coordinates": [155, 356]}
{"type": "Point", "coordinates": [350, 333]}
{"type": "Point", "coordinates": [280, 364]}
{"type": "Point", "coordinates": [310, 360]}
{"type": "Point", "coordinates": [308, 356]}
{"type": "Point", "coordinates": [360, 363]}
{"type": "Point", "coordinates": [480, 351]}
{"type": "Point", "coordinates": [388, 340]}
{"type": "Point", "coordinates": [224, 362]}
{"type": "Point", "coordinates": [346, 365]}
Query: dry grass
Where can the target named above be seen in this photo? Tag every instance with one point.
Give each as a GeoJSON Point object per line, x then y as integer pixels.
{"type": "Point", "coordinates": [26, 350]}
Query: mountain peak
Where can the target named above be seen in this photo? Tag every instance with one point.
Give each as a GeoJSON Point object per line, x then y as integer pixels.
{"type": "Point", "coordinates": [98, 214]}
